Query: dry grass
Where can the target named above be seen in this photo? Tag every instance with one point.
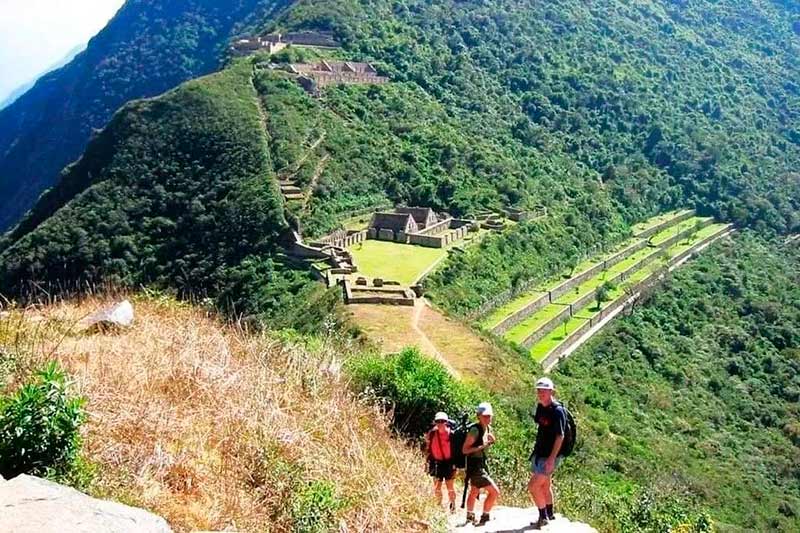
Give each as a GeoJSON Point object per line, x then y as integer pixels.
{"type": "Point", "coordinates": [214, 428]}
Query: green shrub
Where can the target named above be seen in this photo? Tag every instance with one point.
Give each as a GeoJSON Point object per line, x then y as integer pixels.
{"type": "Point", "coordinates": [413, 387]}
{"type": "Point", "coordinates": [39, 426]}
{"type": "Point", "coordinates": [314, 508]}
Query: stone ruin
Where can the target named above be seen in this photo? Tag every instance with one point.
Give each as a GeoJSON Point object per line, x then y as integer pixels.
{"type": "Point", "coordinates": [275, 42]}
{"type": "Point", "coordinates": [418, 225]}
{"type": "Point", "coordinates": [313, 77]}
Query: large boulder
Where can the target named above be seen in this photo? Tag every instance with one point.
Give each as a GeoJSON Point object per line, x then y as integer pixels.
{"type": "Point", "coordinates": [32, 505]}
{"type": "Point", "coordinates": [117, 316]}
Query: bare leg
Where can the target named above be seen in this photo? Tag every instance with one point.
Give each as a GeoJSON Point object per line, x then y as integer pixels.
{"type": "Point", "coordinates": [473, 495]}
{"type": "Point", "coordinates": [437, 490]}
{"type": "Point", "coordinates": [451, 490]}
{"type": "Point", "coordinates": [548, 490]}
{"type": "Point", "coordinates": [539, 489]}
{"type": "Point", "coordinates": [492, 494]}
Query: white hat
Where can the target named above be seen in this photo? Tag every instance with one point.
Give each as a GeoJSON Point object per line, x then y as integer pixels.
{"type": "Point", "coordinates": [484, 408]}
{"type": "Point", "coordinates": [441, 415]}
{"type": "Point", "coordinates": [545, 383]}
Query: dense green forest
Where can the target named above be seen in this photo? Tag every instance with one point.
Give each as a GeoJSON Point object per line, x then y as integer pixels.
{"type": "Point", "coordinates": [696, 392]}
{"type": "Point", "coordinates": [147, 48]}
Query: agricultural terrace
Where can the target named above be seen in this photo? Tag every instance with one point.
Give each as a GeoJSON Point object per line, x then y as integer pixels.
{"type": "Point", "coordinates": [520, 302]}
{"type": "Point", "coordinates": [561, 333]}
{"type": "Point", "coordinates": [404, 263]}
{"type": "Point", "coordinates": [649, 224]}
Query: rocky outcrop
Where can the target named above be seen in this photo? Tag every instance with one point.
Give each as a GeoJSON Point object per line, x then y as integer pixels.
{"type": "Point", "coordinates": [32, 505]}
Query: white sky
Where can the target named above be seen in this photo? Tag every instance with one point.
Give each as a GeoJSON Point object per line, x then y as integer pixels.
{"type": "Point", "coordinates": [34, 34]}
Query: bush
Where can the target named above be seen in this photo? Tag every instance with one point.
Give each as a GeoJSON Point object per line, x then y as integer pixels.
{"type": "Point", "coordinates": [39, 426]}
{"type": "Point", "coordinates": [315, 507]}
{"type": "Point", "coordinates": [413, 387]}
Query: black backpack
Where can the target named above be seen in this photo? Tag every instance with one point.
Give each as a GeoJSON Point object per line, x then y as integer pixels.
{"type": "Point", "coordinates": [457, 441]}
{"type": "Point", "coordinates": [570, 434]}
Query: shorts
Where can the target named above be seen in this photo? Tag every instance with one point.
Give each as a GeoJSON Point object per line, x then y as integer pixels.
{"type": "Point", "coordinates": [441, 470]}
{"type": "Point", "coordinates": [537, 464]}
{"type": "Point", "coordinates": [480, 479]}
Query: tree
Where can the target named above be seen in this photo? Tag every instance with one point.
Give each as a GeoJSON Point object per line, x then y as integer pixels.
{"type": "Point", "coordinates": [603, 293]}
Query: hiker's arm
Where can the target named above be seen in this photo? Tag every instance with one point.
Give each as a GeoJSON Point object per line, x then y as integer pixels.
{"type": "Point", "coordinates": [556, 448]}
{"type": "Point", "coordinates": [469, 445]}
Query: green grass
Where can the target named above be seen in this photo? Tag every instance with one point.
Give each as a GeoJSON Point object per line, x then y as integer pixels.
{"type": "Point", "coordinates": [505, 311]}
{"type": "Point", "coordinates": [540, 350]}
{"type": "Point", "coordinates": [591, 284]}
{"type": "Point", "coordinates": [641, 227]}
{"type": "Point", "coordinates": [393, 261]}
{"type": "Point", "coordinates": [664, 235]}
{"type": "Point", "coordinates": [520, 332]}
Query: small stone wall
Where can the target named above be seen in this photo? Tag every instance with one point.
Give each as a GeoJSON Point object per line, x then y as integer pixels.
{"type": "Point", "coordinates": [547, 327]}
{"type": "Point", "coordinates": [667, 223]}
{"type": "Point", "coordinates": [444, 233]}
{"type": "Point", "coordinates": [342, 238]}
{"type": "Point", "coordinates": [511, 321]}
{"type": "Point", "coordinates": [385, 235]}
{"type": "Point", "coordinates": [377, 295]}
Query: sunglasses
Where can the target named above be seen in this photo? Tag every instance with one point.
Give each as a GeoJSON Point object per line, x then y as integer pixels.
{"type": "Point", "coordinates": [441, 421]}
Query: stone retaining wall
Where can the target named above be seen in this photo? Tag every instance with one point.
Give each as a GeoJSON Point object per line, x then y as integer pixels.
{"type": "Point", "coordinates": [512, 320]}
{"type": "Point", "coordinates": [342, 239]}
{"type": "Point", "coordinates": [554, 356]}
{"type": "Point", "coordinates": [688, 231]}
{"type": "Point", "coordinates": [546, 328]}
{"type": "Point", "coordinates": [442, 240]}
{"type": "Point", "coordinates": [667, 223]}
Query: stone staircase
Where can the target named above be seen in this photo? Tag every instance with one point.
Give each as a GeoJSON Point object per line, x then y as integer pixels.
{"type": "Point", "coordinates": [290, 191]}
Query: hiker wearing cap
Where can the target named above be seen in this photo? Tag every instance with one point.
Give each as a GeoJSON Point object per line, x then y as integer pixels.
{"type": "Point", "coordinates": [479, 438]}
{"type": "Point", "coordinates": [551, 418]}
{"type": "Point", "coordinates": [440, 464]}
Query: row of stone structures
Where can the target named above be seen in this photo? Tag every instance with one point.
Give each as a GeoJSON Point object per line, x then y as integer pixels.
{"type": "Point", "coordinates": [275, 42]}
{"type": "Point", "coordinates": [313, 77]}
{"type": "Point", "coordinates": [417, 225]}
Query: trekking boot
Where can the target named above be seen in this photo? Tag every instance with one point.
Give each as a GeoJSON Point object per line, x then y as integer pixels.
{"type": "Point", "coordinates": [540, 523]}
{"type": "Point", "coordinates": [452, 507]}
{"type": "Point", "coordinates": [483, 520]}
{"type": "Point", "coordinates": [470, 516]}
{"type": "Point", "coordinates": [551, 515]}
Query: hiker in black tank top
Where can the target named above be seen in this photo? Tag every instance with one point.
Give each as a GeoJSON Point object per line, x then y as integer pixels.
{"type": "Point", "coordinates": [479, 438]}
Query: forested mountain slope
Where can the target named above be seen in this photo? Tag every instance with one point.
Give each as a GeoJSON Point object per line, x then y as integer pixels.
{"type": "Point", "coordinates": [148, 47]}
{"type": "Point", "coordinates": [695, 394]}
{"type": "Point", "coordinates": [604, 113]}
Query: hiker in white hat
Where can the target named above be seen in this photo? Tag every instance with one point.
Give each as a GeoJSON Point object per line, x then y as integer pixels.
{"type": "Point", "coordinates": [440, 458]}
{"type": "Point", "coordinates": [551, 418]}
{"type": "Point", "coordinates": [479, 438]}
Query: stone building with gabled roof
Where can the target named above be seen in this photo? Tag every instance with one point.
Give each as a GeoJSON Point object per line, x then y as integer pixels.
{"type": "Point", "coordinates": [423, 216]}
{"type": "Point", "coordinates": [391, 226]}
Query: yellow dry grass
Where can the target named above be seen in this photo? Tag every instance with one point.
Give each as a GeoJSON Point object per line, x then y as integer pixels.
{"type": "Point", "coordinates": [471, 356]}
{"type": "Point", "coordinates": [215, 428]}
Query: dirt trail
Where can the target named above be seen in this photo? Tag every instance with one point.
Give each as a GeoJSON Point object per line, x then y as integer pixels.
{"type": "Point", "coordinates": [515, 520]}
{"type": "Point", "coordinates": [426, 345]}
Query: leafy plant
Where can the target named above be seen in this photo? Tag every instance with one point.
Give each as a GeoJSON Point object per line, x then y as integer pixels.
{"type": "Point", "coordinates": [39, 426]}
{"type": "Point", "coordinates": [315, 506]}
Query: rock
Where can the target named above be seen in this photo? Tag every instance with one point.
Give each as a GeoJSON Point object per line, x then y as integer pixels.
{"type": "Point", "coordinates": [119, 315]}
{"type": "Point", "coordinates": [32, 505]}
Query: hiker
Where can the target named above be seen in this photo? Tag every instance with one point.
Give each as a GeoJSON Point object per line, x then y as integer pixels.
{"type": "Point", "coordinates": [478, 439]}
{"type": "Point", "coordinates": [440, 459]}
{"type": "Point", "coordinates": [551, 418]}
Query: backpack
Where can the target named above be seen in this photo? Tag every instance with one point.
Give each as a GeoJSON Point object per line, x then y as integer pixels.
{"type": "Point", "coordinates": [571, 433]}
{"type": "Point", "coordinates": [457, 439]}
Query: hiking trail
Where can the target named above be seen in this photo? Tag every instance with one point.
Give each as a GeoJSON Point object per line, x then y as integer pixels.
{"type": "Point", "coordinates": [514, 520]}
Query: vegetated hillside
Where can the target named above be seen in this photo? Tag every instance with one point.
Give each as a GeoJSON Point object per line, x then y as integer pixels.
{"type": "Point", "coordinates": [167, 198]}
{"type": "Point", "coordinates": [146, 49]}
{"type": "Point", "coordinates": [214, 428]}
{"type": "Point", "coordinates": [695, 394]}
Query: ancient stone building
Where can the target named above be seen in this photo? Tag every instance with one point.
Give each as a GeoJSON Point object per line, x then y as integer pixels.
{"type": "Point", "coordinates": [391, 226]}
{"type": "Point", "coordinates": [314, 76]}
{"type": "Point", "coordinates": [423, 216]}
